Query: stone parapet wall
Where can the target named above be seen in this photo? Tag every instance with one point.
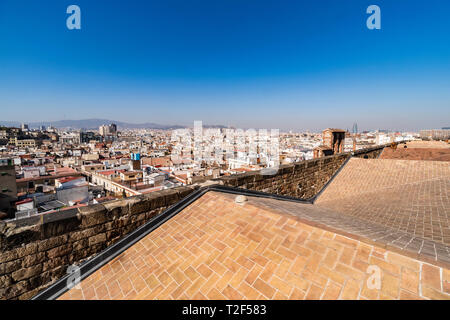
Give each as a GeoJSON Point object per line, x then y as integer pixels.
{"type": "Point", "coordinates": [301, 180]}
{"type": "Point", "coordinates": [36, 251]}
{"type": "Point", "coordinates": [370, 153]}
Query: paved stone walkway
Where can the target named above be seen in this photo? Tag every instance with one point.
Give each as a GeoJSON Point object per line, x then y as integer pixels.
{"type": "Point", "coordinates": [358, 228]}
{"type": "Point", "coordinates": [218, 249]}
{"type": "Point", "coordinates": [436, 154]}
{"type": "Point", "coordinates": [412, 197]}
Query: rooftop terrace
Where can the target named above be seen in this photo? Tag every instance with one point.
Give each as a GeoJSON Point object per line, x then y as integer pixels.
{"type": "Point", "coordinates": [419, 150]}
{"type": "Point", "coordinates": [218, 249]}
{"type": "Point", "coordinates": [309, 232]}
{"type": "Point", "coordinates": [409, 197]}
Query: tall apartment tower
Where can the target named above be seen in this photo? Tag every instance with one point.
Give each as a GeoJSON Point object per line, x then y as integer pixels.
{"type": "Point", "coordinates": [112, 128]}
{"type": "Point", "coordinates": [102, 130]}
{"type": "Point", "coordinates": [108, 130]}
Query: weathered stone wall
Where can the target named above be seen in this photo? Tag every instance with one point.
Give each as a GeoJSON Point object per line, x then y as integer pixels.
{"type": "Point", "coordinates": [369, 153]}
{"type": "Point", "coordinates": [36, 251]}
{"type": "Point", "coordinates": [300, 180]}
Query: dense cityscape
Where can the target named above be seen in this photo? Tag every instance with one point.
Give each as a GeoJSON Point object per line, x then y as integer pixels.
{"type": "Point", "coordinates": [56, 169]}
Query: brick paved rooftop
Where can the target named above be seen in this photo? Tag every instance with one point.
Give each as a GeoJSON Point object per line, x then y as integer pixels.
{"type": "Point", "coordinates": [412, 197]}
{"type": "Point", "coordinates": [427, 144]}
{"type": "Point", "coordinates": [262, 249]}
{"type": "Point", "coordinates": [419, 150]}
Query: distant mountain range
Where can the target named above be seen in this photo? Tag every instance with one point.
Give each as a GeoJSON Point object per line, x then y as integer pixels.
{"type": "Point", "coordinates": [95, 123]}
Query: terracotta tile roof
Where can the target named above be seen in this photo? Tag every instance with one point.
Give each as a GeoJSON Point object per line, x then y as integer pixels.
{"type": "Point", "coordinates": [435, 154]}
{"type": "Point", "coordinates": [24, 201]}
{"type": "Point", "coordinates": [428, 144]}
{"type": "Point", "coordinates": [53, 176]}
{"type": "Point", "coordinates": [107, 172]}
{"type": "Point", "coordinates": [241, 170]}
{"type": "Point", "coordinates": [63, 170]}
{"type": "Point", "coordinates": [104, 199]}
{"type": "Point", "coordinates": [129, 173]}
{"type": "Point", "coordinates": [157, 162]}
{"type": "Point", "coordinates": [218, 249]}
{"type": "Point", "coordinates": [153, 189]}
{"type": "Point", "coordinates": [67, 179]}
{"type": "Point", "coordinates": [409, 196]}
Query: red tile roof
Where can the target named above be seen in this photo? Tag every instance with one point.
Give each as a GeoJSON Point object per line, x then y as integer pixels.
{"type": "Point", "coordinates": [67, 179]}
{"type": "Point", "coordinates": [24, 201]}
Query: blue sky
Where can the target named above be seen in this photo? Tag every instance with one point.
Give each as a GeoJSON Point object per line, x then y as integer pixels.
{"type": "Point", "coordinates": [247, 63]}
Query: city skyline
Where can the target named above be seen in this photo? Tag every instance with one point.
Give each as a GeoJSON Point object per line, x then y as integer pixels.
{"type": "Point", "coordinates": [249, 65]}
{"type": "Point", "coordinates": [94, 124]}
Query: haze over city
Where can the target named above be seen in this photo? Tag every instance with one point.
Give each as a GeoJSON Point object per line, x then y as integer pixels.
{"type": "Point", "coordinates": [299, 66]}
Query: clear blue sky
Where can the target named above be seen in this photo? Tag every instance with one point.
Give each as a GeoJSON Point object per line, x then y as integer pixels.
{"type": "Point", "coordinates": [248, 63]}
